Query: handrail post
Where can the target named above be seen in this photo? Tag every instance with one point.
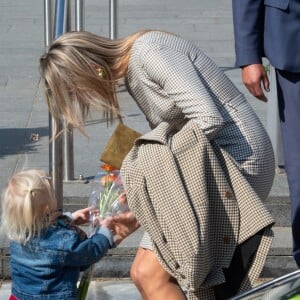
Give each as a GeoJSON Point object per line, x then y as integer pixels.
{"type": "Point", "coordinates": [61, 152]}
{"type": "Point", "coordinates": [79, 15]}
{"type": "Point", "coordinates": [113, 17]}
{"type": "Point", "coordinates": [55, 161]}
{"type": "Point", "coordinates": [47, 23]}
{"type": "Point", "coordinates": [68, 137]}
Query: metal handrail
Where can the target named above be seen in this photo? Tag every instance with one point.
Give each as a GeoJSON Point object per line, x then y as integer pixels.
{"type": "Point", "coordinates": [55, 147]}
{"type": "Point", "coordinates": [113, 16]}
{"type": "Point", "coordinates": [47, 23]}
{"type": "Point", "coordinates": [61, 158]}
{"type": "Point", "coordinates": [79, 15]}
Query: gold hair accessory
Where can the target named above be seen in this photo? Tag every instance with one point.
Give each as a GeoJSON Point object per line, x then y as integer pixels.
{"type": "Point", "coordinates": [101, 72]}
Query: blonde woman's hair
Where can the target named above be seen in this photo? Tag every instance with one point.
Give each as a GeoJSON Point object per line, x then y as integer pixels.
{"type": "Point", "coordinates": [80, 71]}
{"type": "Point", "coordinates": [27, 204]}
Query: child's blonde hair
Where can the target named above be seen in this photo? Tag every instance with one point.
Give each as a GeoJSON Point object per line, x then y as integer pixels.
{"type": "Point", "coordinates": [27, 204]}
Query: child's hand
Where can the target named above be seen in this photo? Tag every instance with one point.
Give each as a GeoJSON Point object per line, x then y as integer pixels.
{"type": "Point", "coordinates": [82, 216]}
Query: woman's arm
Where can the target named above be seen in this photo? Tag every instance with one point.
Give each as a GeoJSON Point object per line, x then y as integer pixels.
{"type": "Point", "coordinates": [178, 77]}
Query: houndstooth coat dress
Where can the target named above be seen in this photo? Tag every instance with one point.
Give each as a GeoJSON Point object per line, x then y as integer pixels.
{"type": "Point", "coordinates": [196, 205]}
{"type": "Point", "coordinates": [173, 81]}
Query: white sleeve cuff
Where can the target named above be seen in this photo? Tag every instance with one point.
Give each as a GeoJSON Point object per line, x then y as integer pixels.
{"type": "Point", "coordinates": [108, 234]}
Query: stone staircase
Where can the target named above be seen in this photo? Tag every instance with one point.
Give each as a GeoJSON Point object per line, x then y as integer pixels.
{"type": "Point", "coordinates": [116, 264]}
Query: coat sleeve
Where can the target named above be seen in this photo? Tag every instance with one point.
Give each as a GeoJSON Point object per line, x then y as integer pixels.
{"type": "Point", "coordinates": [248, 22]}
{"type": "Point", "coordinates": [177, 76]}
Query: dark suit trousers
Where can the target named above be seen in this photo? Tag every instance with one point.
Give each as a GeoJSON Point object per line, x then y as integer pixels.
{"type": "Point", "coordinates": [288, 88]}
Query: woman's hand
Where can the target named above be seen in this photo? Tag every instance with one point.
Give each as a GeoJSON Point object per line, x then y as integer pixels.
{"type": "Point", "coordinates": [122, 225]}
{"type": "Point", "coordinates": [126, 223]}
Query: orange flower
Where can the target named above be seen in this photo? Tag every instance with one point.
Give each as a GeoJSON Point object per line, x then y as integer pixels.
{"type": "Point", "coordinates": [108, 179]}
{"type": "Point", "coordinates": [108, 168]}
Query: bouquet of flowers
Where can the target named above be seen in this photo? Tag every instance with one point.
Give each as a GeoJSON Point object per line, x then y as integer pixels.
{"type": "Point", "coordinates": [109, 197]}
{"type": "Point", "coordinates": [108, 194]}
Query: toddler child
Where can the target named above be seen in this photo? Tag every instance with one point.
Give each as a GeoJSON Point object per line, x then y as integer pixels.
{"type": "Point", "coordinates": [47, 249]}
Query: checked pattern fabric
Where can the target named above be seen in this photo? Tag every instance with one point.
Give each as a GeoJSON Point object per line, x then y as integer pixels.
{"type": "Point", "coordinates": [177, 187]}
{"type": "Point", "coordinates": [198, 180]}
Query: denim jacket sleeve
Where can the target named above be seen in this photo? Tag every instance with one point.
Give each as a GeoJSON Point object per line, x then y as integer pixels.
{"type": "Point", "coordinates": [86, 252]}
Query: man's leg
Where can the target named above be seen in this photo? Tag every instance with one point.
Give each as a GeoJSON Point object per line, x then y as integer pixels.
{"type": "Point", "coordinates": [288, 87]}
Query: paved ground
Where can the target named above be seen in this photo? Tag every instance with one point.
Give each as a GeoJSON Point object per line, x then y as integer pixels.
{"type": "Point", "coordinates": [104, 290]}
{"type": "Point", "coordinates": [24, 114]}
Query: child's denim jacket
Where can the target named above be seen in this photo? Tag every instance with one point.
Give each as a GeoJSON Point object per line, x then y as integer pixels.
{"type": "Point", "coordinates": [47, 268]}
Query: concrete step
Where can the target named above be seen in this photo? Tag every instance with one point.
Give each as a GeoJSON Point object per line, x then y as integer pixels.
{"type": "Point", "coordinates": [279, 207]}
{"type": "Point", "coordinates": [117, 262]}
{"type": "Point", "coordinates": [279, 260]}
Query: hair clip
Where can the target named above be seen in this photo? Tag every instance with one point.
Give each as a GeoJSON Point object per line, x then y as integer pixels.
{"type": "Point", "coordinates": [101, 72]}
